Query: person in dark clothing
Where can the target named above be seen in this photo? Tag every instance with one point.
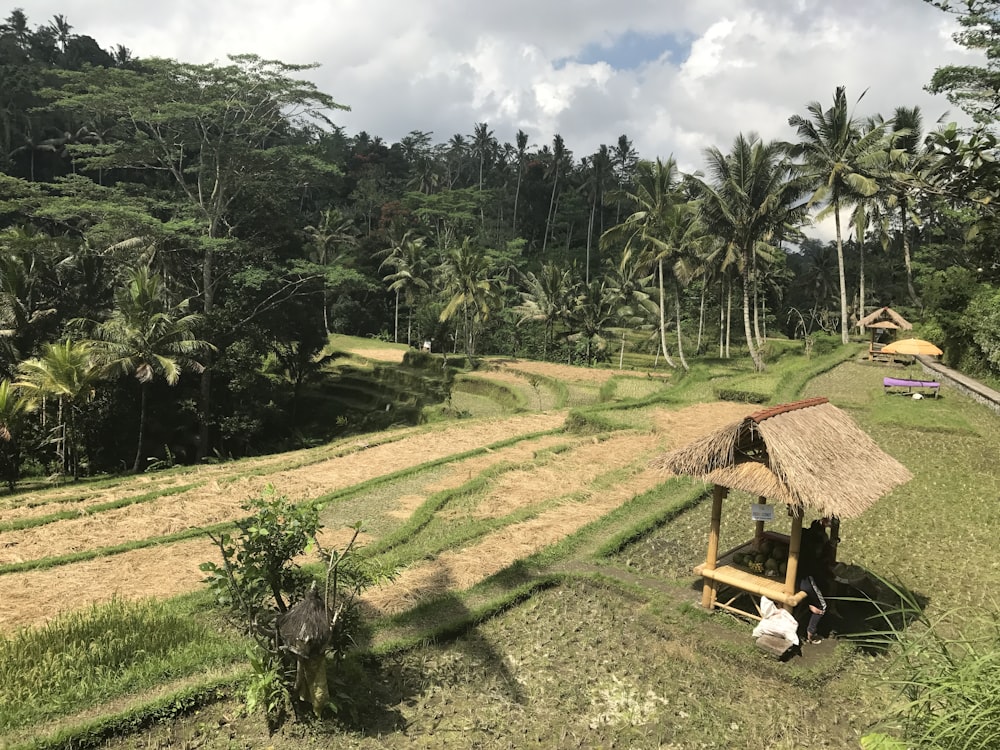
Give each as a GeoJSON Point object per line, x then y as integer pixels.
{"type": "Point", "coordinates": [814, 570]}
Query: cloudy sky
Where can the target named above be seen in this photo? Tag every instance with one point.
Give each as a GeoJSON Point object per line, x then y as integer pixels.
{"type": "Point", "coordinates": [676, 76]}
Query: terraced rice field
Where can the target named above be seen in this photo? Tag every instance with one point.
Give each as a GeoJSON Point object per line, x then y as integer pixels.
{"type": "Point", "coordinates": [57, 546]}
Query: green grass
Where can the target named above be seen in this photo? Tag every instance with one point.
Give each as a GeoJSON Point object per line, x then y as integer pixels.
{"type": "Point", "coordinates": [79, 659]}
{"type": "Point", "coordinates": [597, 640]}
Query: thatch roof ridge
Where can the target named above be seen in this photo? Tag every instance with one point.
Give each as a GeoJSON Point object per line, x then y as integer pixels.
{"type": "Point", "coordinates": [812, 455]}
{"type": "Point", "coordinates": [884, 313]}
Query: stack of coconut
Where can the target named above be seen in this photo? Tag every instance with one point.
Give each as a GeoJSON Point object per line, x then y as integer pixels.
{"type": "Point", "coordinates": [769, 558]}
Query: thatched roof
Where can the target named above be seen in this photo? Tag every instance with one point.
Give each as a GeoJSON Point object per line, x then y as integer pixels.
{"type": "Point", "coordinates": [885, 314]}
{"type": "Point", "coordinates": [809, 454]}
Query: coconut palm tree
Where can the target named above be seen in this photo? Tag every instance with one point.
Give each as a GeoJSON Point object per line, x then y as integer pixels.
{"type": "Point", "coordinates": [14, 408]}
{"type": "Point", "coordinates": [521, 141]}
{"type": "Point", "coordinates": [469, 287]}
{"type": "Point", "coordinates": [66, 372]}
{"type": "Point", "coordinates": [560, 157]}
{"type": "Point", "coordinates": [147, 337]}
{"type": "Point", "coordinates": [908, 163]}
{"type": "Point", "coordinates": [836, 155]}
{"type": "Point", "coordinates": [328, 242]}
{"type": "Point", "coordinates": [663, 218]}
{"type": "Point", "coordinates": [547, 297]}
{"type": "Point", "coordinates": [408, 261]}
{"type": "Point", "coordinates": [749, 201]}
{"type": "Point", "coordinates": [597, 177]}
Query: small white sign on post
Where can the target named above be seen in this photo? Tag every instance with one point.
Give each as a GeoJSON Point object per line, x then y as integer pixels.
{"type": "Point", "coordinates": [761, 512]}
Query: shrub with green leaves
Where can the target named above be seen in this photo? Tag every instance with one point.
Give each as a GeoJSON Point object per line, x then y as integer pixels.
{"type": "Point", "coordinates": [258, 564]}
{"type": "Point", "coordinates": [294, 620]}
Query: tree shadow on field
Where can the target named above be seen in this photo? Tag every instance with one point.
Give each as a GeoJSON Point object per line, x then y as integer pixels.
{"type": "Point", "coordinates": [450, 652]}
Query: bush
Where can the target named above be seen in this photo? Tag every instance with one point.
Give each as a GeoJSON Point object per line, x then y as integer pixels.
{"type": "Point", "coordinates": [824, 343]}
{"type": "Point", "coordinates": [741, 396]}
{"type": "Point", "coordinates": [258, 581]}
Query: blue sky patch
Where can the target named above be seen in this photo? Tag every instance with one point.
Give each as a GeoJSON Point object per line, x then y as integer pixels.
{"type": "Point", "coordinates": [632, 49]}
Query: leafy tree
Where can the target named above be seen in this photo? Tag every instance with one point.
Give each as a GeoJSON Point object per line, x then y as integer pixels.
{"type": "Point", "coordinates": [220, 133]}
{"type": "Point", "coordinates": [975, 89]}
{"type": "Point", "coordinates": [145, 336]}
{"type": "Point", "coordinates": [836, 153]}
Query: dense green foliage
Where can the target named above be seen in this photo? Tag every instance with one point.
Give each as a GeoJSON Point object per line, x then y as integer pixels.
{"type": "Point", "coordinates": [267, 228]}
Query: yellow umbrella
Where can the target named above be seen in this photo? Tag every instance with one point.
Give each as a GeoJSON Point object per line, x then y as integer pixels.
{"type": "Point", "coordinates": [912, 346]}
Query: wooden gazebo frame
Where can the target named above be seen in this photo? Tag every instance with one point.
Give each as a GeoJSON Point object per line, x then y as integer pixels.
{"type": "Point", "coordinates": [807, 454]}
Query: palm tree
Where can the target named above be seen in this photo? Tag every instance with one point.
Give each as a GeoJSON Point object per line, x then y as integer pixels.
{"type": "Point", "coordinates": [597, 176]}
{"type": "Point", "coordinates": [336, 231]}
{"type": "Point", "coordinates": [836, 153]}
{"type": "Point", "coordinates": [560, 157]}
{"type": "Point", "coordinates": [908, 163]}
{"type": "Point", "coordinates": [470, 289]}
{"type": "Point", "coordinates": [661, 219]}
{"type": "Point", "coordinates": [14, 407]}
{"type": "Point", "coordinates": [147, 337]}
{"type": "Point", "coordinates": [483, 144]}
{"type": "Point", "coordinates": [546, 297]}
{"type": "Point", "coordinates": [66, 372]}
{"type": "Point", "coordinates": [593, 315]}
{"type": "Point", "coordinates": [625, 158]}
{"type": "Point", "coordinates": [407, 259]}
{"type": "Point", "coordinates": [749, 201]}
{"type": "Point", "coordinates": [522, 150]}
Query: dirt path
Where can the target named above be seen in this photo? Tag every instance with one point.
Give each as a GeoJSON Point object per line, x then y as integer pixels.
{"type": "Point", "coordinates": [33, 597]}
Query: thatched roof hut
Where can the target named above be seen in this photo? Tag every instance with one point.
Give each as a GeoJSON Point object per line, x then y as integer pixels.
{"type": "Point", "coordinates": [885, 318]}
{"type": "Point", "coordinates": [885, 315]}
{"type": "Point", "coordinates": [807, 454]}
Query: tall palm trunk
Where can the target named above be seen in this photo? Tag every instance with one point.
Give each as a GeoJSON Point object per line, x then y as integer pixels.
{"type": "Point", "coordinates": [663, 322]}
{"type": "Point", "coordinates": [722, 318]}
{"type": "Point", "coordinates": [861, 280]}
{"type": "Point", "coordinates": [729, 315]}
{"type": "Point", "coordinates": [907, 261]}
{"type": "Point", "coordinates": [517, 194]}
{"type": "Point", "coordinates": [701, 318]}
{"type": "Point", "coordinates": [395, 326]}
{"type": "Point", "coordinates": [143, 401]}
{"type": "Point", "coordinates": [680, 342]}
{"type": "Point", "coordinates": [843, 276]}
{"type": "Point", "coordinates": [550, 218]}
{"type": "Point", "coordinates": [758, 363]}
{"type": "Point", "coordinates": [590, 237]}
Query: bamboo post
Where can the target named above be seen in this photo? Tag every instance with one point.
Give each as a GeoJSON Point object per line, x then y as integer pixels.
{"type": "Point", "coordinates": [794, 545]}
{"type": "Point", "coordinates": [758, 531]}
{"type": "Point", "coordinates": [708, 590]}
{"type": "Point", "coordinates": [834, 537]}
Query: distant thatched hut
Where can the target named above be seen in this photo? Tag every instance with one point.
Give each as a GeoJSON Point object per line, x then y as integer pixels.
{"type": "Point", "coordinates": [885, 318]}
{"type": "Point", "coordinates": [807, 454]}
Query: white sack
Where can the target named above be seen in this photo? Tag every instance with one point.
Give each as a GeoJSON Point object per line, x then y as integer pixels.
{"type": "Point", "coordinates": [776, 621]}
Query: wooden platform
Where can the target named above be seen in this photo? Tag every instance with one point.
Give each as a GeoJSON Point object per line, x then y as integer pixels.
{"type": "Point", "coordinates": [729, 574]}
